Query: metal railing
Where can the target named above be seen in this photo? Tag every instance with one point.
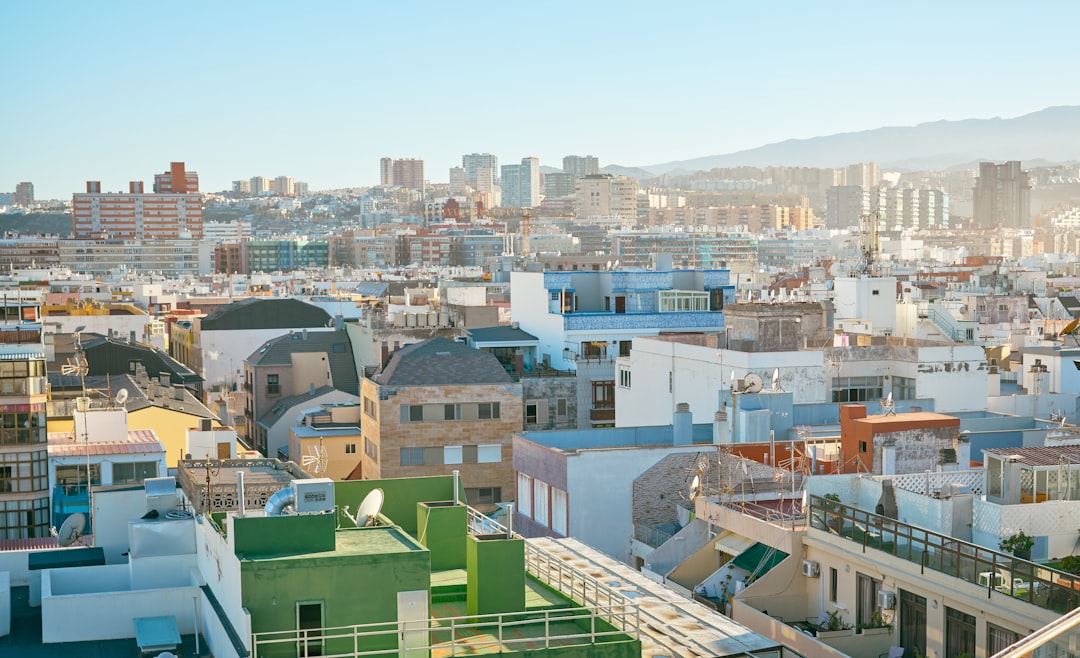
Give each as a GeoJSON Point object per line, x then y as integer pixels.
{"type": "Point", "coordinates": [995, 571]}
{"type": "Point", "coordinates": [650, 536]}
{"type": "Point", "coordinates": [792, 519]}
{"type": "Point", "coordinates": [453, 636]}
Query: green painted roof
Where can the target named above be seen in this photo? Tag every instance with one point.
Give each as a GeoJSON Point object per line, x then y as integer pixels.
{"type": "Point", "coordinates": [759, 559]}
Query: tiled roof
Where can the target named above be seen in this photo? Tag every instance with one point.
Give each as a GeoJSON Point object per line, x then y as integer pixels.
{"type": "Point", "coordinates": [440, 362]}
{"type": "Point", "coordinates": [335, 344]}
{"type": "Point", "coordinates": [138, 442]}
{"type": "Point", "coordinates": [265, 313]}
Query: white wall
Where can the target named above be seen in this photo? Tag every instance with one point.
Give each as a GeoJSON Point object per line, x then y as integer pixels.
{"type": "Point", "coordinates": [600, 495]}
{"type": "Point", "coordinates": [529, 308]}
{"type": "Point", "coordinates": [855, 298]}
{"type": "Point", "coordinates": [699, 373]}
{"type": "Point", "coordinates": [16, 564]}
{"type": "Point", "coordinates": [121, 325]}
{"type": "Point", "coordinates": [221, 570]}
{"type": "Point", "coordinates": [112, 511]}
{"type": "Point", "coordinates": [955, 377]}
{"type": "Point", "coordinates": [277, 435]}
{"type": "Point", "coordinates": [232, 348]}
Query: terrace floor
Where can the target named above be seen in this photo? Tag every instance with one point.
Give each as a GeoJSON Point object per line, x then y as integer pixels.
{"type": "Point", "coordinates": [25, 638]}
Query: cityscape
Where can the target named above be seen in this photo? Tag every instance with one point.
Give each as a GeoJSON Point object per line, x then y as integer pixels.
{"type": "Point", "coordinates": [348, 330]}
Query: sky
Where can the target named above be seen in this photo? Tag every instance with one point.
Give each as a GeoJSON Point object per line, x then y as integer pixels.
{"type": "Point", "coordinates": [319, 91]}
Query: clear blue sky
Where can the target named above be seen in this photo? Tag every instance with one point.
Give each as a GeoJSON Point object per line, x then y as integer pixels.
{"type": "Point", "coordinates": [114, 91]}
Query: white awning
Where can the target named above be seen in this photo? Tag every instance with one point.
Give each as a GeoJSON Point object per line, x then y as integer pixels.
{"type": "Point", "coordinates": [733, 544]}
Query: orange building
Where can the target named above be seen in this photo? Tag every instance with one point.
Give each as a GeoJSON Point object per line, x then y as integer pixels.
{"type": "Point", "coordinates": [173, 210]}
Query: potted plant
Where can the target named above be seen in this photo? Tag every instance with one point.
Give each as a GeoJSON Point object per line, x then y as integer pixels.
{"type": "Point", "coordinates": [833, 625]}
{"type": "Point", "coordinates": [875, 626]}
{"type": "Point", "coordinates": [832, 512]}
{"type": "Point", "coordinates": [1019, 544]}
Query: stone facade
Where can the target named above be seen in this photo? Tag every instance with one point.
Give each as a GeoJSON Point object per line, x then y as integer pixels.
{"type": "Point", "coordinates": [385, 434]}
{"type": "Point", "coordinates": [661, 489]}
{"type": "Point", "coordinates": [551, 395]}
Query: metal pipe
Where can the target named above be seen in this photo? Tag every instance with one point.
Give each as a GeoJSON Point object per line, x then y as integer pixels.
{"type": "Point", "coordinates": [240, 491]}
{"type": "Point", "coordinates": [457, 479]}
{"type": "Point", "coordinates": [510, 521]}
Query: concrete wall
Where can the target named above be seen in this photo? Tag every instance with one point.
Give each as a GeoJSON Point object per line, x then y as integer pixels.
{"type": "Point", "coordinates": [599, 492]}
{"type": "Point", "coordinates": [545, 392]}
{"type": "Point", "coordinates": [529, 308]}
{"type": "Point", "coordinates": [16, 564]}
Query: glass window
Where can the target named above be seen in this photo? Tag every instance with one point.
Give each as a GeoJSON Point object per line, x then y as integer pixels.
{"type": "Point", "coordinates": [129, 472]}
{"type": "Point", "coordinates": [489, 454]}
{"type": "Point", "coordinates": [540, 502]}
{"type": "Point", "coordinates": [999, 639]}
{"type": "Point", "coordinates": [558, 511]}
{"type": "Point", "coordinates": [452, 454]}
{"type": "Point", "coordinates": [524, 495]}
{"type": "Point", "coordinates": [959, 633]}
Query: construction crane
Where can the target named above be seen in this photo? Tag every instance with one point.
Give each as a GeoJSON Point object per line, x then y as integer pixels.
{"type": "Point", "coordinates": [526, 215]}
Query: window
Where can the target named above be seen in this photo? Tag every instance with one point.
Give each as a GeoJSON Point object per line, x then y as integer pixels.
{"type": "Point", "coordinates": [625, 346]}
{"type": "Point", "coordinates": [875, 292]}
{"type": "Point", "coordinates": [371, 450]}
{"type": "Point", "coordinates": [22, 424]}
{"type": "Point", "coordinates": [350, 448]}
{"type": "Point", "coordinates": [603, 394]}
{"type": "Point", "coordinates": [862, 446]}
{"type": "Point", "coordinates": [558, 511]}
{"type": "Point", "coordinates": [371, 408]}
{"type": "Point", "coordinates": [412, 456]}
{"type": "Point", "coordinates": [834, 581]}
{"type": "Point", "coordinates": [133, 472]}
{"type": "Point", "coordinates": [20, 519]}
{"type": "Point", "coordinates": [903, 388]}
{"type": "Point", "coordinates": [530, 413]}
{"type": "Point", "coordinates": [451, 455]}
{"type": "Point", "coordinates": [683, 300]}
{"type": "Point", "coordinates": [866, 598]}
{"type": "Point", "coordinates": [524, 495]}
{"type": "Point", "coordinates": [488, 410]}
{"type": "Point", "coordinates": [412, 413]}
{"type": "Point", "coordinates": [1003, 307]}
{"type": "Point", "coordinates": [489, 454]}
{"type": "Point", "coordinates": [912, 623]}
{"type": "Point", "coordinates": [999, 639]}
{"type": "Point", "coordinates": [484, 495]}
{"type": "Point", "coordinates": [451, 412]}
{"type": "Point", "coordinates": [857, 389]}
{"type": "Point", "coordinates": [624, 378]}
{"type": "Point", "coordinates": [560, 408]}
{"type": "Point", "coordinates": [594, 349]}
{"type": "Point", "coordinates": [959, 633]}
{"type": "Point", "coordinates": [272, 385]}
{"type": "Point", "coordinates": [540, 502]}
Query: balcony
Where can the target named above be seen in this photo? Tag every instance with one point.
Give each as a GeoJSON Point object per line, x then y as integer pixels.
{"type": "Point", "coordinates": [1036, 584]}
{"type": "Point", "coordinates": [602, 415]}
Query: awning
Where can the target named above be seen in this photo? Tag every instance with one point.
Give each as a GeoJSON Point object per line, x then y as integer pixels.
{"type": "Point", "coordinates": [759, 559]}
{"type": "Point", "coordinates": [733, 543]}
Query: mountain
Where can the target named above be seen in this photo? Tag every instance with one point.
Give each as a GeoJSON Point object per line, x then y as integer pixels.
{"type": "Point", "coordinates": [1052, 134]}
{"type": "Point", "coordinates": [630, 172]}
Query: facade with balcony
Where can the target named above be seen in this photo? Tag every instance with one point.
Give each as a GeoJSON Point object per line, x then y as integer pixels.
{"type": "Point", "coordinates": [24, 484]}
{"type": "Point", "coordinates": [595, 315]}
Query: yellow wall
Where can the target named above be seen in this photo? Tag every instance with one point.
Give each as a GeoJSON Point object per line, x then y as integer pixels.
{"type": "Point", "coordinates": [338, 463]}
{"type": "Point", "coordinates": [170, 426]}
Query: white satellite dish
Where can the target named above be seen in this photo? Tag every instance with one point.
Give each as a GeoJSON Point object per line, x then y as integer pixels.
{"type": "Point", "coordinates": [71, 529]}
{"type": "Point", "coordinates": [121, 396]}
{"type": "Point", "coordinates": [369, 508]}
{"type": "Point", "coordinates": [695, 487]}
{"type": "Point", "coordinates": [752, 383]}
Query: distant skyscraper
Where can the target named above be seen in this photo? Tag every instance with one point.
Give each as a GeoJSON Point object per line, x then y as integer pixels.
{"type": "Point", "coordinates": [485, 180]}
{"type": "Point", "coordinates": [558, 184]}
{"type": "Point", "coordinates": [241, 186]}
{"type": "Point", "coordinates": [864, 174]}
{"type": "Point", "coordinates": [259, 185]}
{"type": "Point", "coordinates": [283, 186]}
{"type": "Point", "coordinates": [845, 205]}
{"type": "Point", "coordinates": [521, 184]}
{"type": "Point", "coordinates": [24, 194]}
{"type": "Point", "coordinates": [474, 161]}
{"type": "Point", "coordinates": [300, 188]}
{"type": "Point", "coordinates": [386, 172]}
{"type": "Point", "coordinates": [581, 165]}
{"type": "Point", "coordinates": [457, 180]}
{"type": "Point", "coordinates": [409, 173]}
{"type": "Point", "coordinates": [604, 195]}
{"type": "Point", "coordinates": [1002, 195]}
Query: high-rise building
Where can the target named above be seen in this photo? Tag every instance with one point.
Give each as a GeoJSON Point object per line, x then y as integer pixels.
{"type": "Point", "coordinates": [173, 210]}
{"type": "Point", "coordinates": [283, 186]}
{"type": "Point", "coordinates": [864, 174]}
{"type": "Point", "coordinates": [300, 188]}
{"type": "Point", "coordinates": [558, 184]}
{"type": "Point", "coordinates": [845, 205]}
{"type": "Point", "coordinates": [604, 195]}
{"type": "Point", "coordinates": [259, 185]}
{"type": "Point", "coordinates": [408, 173]}
{"type": "Point", "coordinates": [485, 180]}
{"type": "Point", "coordinates": [241, 186]}
{"type": "Point", "coordinates": [24, 458]}
{"type": "Point", "coordinates": [581, 165]}
{"type": "Point", "coordinates": [475, 161]}
{"type": "Point", "coordinates": [457, 180]}
{"type": "Point", "coordinates": [521, 184]}
{"type": "Point", "coordinates": [24, 194]}
{"type": "Point", "coordinates": [1002, 195]}
{"type": "Point", "coordinates": [386, 172]}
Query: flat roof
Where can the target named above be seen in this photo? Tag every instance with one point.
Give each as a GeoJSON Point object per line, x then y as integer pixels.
{"type": "Point", "coordinates": [138, 442]}
{"type": "Point", "coordinates": [1037, 455]}
{"type": "Point", "coordinates": [920, 417]}
{"type": "Point", "coordinates": [305, 432]}
{"type": "Point", "coordinates": [376, 540]}
{"type": "Point", "coordinates": [615, 437]}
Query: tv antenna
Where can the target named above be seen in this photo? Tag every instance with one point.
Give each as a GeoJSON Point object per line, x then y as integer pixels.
{"type": "Point", "coordinates": [776, 387]}
{"type": "Point", "coordinates": [70, 530]}
{"type": "Point", "coordinates": [316, 459]}
{"type": "Point", "coordinates": [696, 478]}
{"type": "Point", "coordinates": [888, 407]}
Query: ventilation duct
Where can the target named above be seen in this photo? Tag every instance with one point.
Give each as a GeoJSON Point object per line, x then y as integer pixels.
{"type": "Point", "coordinates": [282, 498]}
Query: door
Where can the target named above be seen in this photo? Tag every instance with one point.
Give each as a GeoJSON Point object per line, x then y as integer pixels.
{"type": "Point", "coordinates": [912, 624]}
{"type": "Point", "coordinates": [309, 624]}
{"type": "Point", "coordinates": [620, 304]}
{"type": "Point", "coordinates": [413, 616]}
{"type": "Point", "coordinates": [223, 451]}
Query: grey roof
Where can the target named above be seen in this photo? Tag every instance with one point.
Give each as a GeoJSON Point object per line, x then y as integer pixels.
{"type": "Point", "coordinates": [1071, 304]}
{"type": "Point", "coordinates": [500, 334]}
{"type": "Point", "coordinates": [265, 313]}
{"type": "Point", "coordinates": [439, 362]}
{"type": "Point", "coordinates": [67, 387]}
{"type": "Point", "coordinates": [335, 344]}
{"type": "Point", "coordinates": [283, 405]}
{"type": "Point", "coordinates": [372, 289]}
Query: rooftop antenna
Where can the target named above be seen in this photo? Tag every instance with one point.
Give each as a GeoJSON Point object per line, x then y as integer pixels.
{"type": "Point", "coordinates": [776, 387]}
{"type": "Point", "coordinates": [316, 458]}
{"type": "Point", "coordinates": [888, 407]}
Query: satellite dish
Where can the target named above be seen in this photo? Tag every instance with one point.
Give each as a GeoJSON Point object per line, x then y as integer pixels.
{"type": "Point", "coordinates": [369, 508]}
{"type": "Point", "coordinates": [752, 383]}
{"type": "Point", "coordinates": [121, 396]}
{"type": "Point", "coordinates": [695, 487]}
{"type": "Point", "coordinates": [71, 529]}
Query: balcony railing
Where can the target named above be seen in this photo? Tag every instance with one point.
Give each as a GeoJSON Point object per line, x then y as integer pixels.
{"type": "Point", "coordinates": [650, 536]}
{"type": "Point", "coordinates": [1039, 585]}
{"type": "Point", "coordinates": [602, 415]}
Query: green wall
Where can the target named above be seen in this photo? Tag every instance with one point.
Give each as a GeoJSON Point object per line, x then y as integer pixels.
{"type": "Point", "coordinates": [443, 529]}
{"type": "Point", "coordinates": [354, 589]}
{"type": "Point", "coordinates": [258, 536]}
{"type": "Point", "coordinates": [496, 575]}
{"type": "Point", "coordinates": [400, 497]}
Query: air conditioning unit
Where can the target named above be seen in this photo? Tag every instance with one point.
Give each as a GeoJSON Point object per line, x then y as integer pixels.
{"type": "Point", "coordinates": [810, 568]}
{"type": "Point", "coordinates": [886, 600]}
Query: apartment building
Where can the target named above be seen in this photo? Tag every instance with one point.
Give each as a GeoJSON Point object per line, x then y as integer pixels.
{"type": "Point", "coordinates": [604, 195]}
{"type": "Point", "coordinates": [173, 210]}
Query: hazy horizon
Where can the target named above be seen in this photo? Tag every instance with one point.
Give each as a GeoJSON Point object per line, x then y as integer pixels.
{"type": "Point", "coordinates": [320, 92]}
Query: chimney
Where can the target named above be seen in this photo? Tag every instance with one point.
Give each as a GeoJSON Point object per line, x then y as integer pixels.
{"type": "Point", "coordinates": [305, 333]}
{"type": "Point", "coordinates": [132, 341]}
{"type": "Point", "coordinates": [164, 377]}
{"type": "Point", "coordinates": [682, 425]}
{"type": "Point", "coordinates": [721, 432]}
{"type": "Point", "coordinates": [205, 424]}
{"type": "Point", "coordinates": [178, 391]}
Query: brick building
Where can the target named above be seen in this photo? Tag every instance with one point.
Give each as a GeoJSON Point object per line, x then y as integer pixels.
{"type": "Point", "coordinates": [438, 406]}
